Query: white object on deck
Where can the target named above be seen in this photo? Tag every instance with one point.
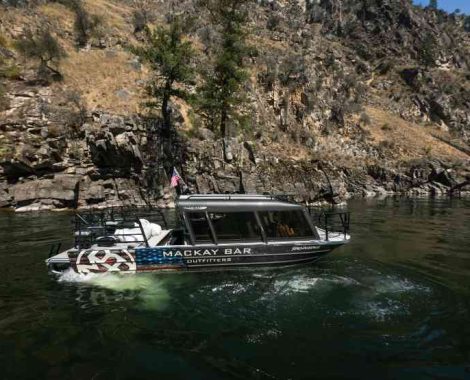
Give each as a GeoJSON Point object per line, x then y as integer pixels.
{"type": "Point", "coordinates": [333, 236]}
{"type": "Point", "coordinates": [155, 240]}
{"type": "Point", "coordinates": [131, 235]}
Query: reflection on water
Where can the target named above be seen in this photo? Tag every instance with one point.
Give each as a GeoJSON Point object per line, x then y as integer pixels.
{"type": "Point", "coordinates": [392, 304]}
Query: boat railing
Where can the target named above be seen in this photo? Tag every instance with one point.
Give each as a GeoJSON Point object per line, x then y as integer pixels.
{"type": "Point", "coordinates": [333, 223]}
{"type": "Point", "coordinates": [92, 225]}
{"type": "Point", "coordinates": [122, 212]}
{"type": "Point", "coordinates": [284, 197]}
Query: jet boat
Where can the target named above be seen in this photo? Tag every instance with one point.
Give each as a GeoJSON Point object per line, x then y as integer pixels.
{"type": "Point", "coordinates": [214, 232]}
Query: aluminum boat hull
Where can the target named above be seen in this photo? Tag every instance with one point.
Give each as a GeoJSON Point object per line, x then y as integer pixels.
{"type": "Point", "coordinates": [186, 258]}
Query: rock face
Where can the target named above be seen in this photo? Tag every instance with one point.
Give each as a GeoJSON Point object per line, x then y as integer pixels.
{"type": "Point", "coordinates": [313, 181]}
{"type": "Point", "coordinates": [115, 152]}
{"type": "Point", "coordinates": [104, 165]}
{"type": "Point", "coordinates": [116, 169]}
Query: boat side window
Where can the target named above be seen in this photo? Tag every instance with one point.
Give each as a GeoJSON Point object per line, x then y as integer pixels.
{"type": "Point", "coordinates": [285, 224]}
{"type": "Point", "coordinates": [235, 226]}
{"type": "Point", "coordinates": [201, 229]}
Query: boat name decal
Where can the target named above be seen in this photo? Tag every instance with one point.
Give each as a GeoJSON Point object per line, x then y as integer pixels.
{"type": "Point", "coordinates": [207, 252]}
{"type": "Point", "coordinates": [305, 248]}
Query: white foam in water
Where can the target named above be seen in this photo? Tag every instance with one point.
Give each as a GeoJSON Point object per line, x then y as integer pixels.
{"type": "Point", "coordinates": [260, 336]}
{"type": "Point", "coordinates": [112, 281]}
{"type": "Point", "coordinates": [296, 285]}
{"type": "Point", "coordinates": [341, 280]}
{"type": "Point", "coordinates": [379, 297]}
{"type": "Point", "coordinates": [384, 299]}
{"type": "Point", "coordinates": [393, 284]}
{"type": "Point", "coordinates": [71, 276]}
{"type": "Point", "coordinates": [232, 288]}
{"type": "Point", "coordinates": [303, 284]}
{"type": "Point", "coordinates": [382, 311]}
{"type": "Point", "coordinates": [152, 292]}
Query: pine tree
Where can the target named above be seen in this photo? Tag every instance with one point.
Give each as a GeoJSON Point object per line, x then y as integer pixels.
{"type": "Point", "coordinates": [428, 51]}
{"type": "Point", "coordinates": [169, 54]}
{"type": "Point", "coordinates": [219, 96]}
{"type": "Point", "coordinates": [466, 24]}
{"type": "Point", "coordinates": [433, 4]}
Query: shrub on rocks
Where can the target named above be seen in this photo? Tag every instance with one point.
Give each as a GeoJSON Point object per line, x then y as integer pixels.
{"type": "Point", "coordinates": [42, 46]}
{"type": "Point", "coordinates": [143, 14]}
{"type": "Point", "coordinates": [4, 101]}
{"type": "Point", "coordinates": [364, 119]}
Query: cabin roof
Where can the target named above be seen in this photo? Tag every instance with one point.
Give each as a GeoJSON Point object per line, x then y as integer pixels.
{"type": "Point", "coordinates": [234, 202]}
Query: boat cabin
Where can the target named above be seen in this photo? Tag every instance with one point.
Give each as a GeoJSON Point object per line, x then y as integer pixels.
{"type": "Point", "coordinates": [227, 219]}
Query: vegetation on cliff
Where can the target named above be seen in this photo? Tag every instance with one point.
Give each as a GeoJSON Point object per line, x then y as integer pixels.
{"type": "Point", "coordinates": [169, 56]}
{"type": "Point", "coordinates": [42, 46]}
{"type": "Point", "coordinates": [220, 95]}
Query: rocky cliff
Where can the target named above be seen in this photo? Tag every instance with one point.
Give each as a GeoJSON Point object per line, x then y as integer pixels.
{"type": "Point", "coordinates": [343, 98]}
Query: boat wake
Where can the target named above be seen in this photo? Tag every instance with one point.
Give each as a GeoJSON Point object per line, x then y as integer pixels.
{"type": "Point", "coordinates": [304, 283]}
{"type": "Point", "coordinates": [150, 292]}
{"type": "Point", "coordinates": [370, 294]}
{"type": "Point", "coordinates": [395, 284]}
{"type": "Point", "coordinates": [231, 288]}
{"type": "Point", "coordinates": [73, 277]}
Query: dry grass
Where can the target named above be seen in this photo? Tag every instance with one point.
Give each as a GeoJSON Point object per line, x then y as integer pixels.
{"type": "Point", "coordinates": [410, 141]}
{"type": "Point", "coordinates": [98, 75]}
{"type": "Point", "coordinates": [289, 150]}
{"type": "Point", "coordinates": [268, 44]}
{"type": "Point", "coordinates": [58, 14]}
{"type": "Point", "coordinates": [115, 15]}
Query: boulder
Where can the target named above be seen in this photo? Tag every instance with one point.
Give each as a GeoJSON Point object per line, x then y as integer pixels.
{"type": "Point", "coordinates": [442, 177]}
{"type": "Point", "coordinates": [91, 192]}
{"type": "Point", "coordinates": [61, 187]}
{"type": "Point", "coordinates": [206, 134]}
{"type": "Point", "coordinates": [115, 124]}
{"type": "Point", "coordinates": [411, 76]}
{"type": "Point", "coordinates": [16, 168]}
{"type": "Point", "coordinates": [5, 197]}
{"type": "Point", "coordinates": [118, 152]}
{"type": "Point", "coordinates": [37, 206]}
{"type": "Point", "coordinates": [441, 108]}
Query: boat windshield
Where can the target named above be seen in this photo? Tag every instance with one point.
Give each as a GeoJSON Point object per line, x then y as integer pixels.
{"type": "Point", "coordinates": [236, 226]}
{"type": "Point", "coordinates": [226, 227]}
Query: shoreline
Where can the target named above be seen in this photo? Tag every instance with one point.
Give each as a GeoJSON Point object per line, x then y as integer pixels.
{"type": "Point", "coordinates": [171, 205]}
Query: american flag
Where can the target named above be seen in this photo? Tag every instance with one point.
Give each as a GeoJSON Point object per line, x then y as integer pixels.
{"type": "Point", "coordinates": [175, 178]}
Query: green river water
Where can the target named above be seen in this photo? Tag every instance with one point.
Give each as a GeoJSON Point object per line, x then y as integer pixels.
{"type": "Point", "coordinates": [393, 304]}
